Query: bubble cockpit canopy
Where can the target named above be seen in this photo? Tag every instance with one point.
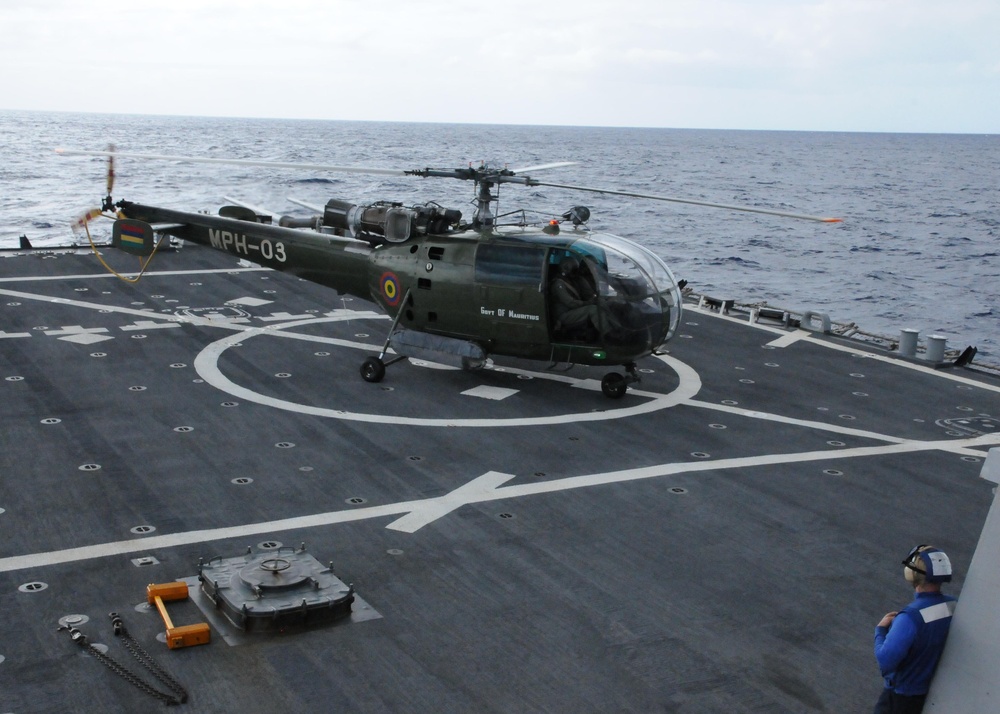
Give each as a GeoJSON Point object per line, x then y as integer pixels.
{"type": "Point", "coordinates": [637, 298]}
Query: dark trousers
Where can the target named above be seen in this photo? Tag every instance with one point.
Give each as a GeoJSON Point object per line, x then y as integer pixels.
{"type": "Point", "coordinates": [892, 703]}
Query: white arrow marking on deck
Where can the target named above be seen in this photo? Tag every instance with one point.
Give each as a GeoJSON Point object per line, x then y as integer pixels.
{"type": "Point", "coordinates": [418, 513]}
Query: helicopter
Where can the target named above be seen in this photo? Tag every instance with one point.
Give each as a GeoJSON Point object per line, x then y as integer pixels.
{"type": "Point", "coordinates": [457, 291]}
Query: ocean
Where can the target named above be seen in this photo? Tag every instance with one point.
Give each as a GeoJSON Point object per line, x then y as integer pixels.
{"type": "Point", "coordinates": [919, 246]}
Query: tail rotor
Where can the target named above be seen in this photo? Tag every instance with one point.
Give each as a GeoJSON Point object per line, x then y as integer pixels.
{"type": "Point", "coordinates": [134, 237]}
{"type": "Point", "coordinates": [107, 204]}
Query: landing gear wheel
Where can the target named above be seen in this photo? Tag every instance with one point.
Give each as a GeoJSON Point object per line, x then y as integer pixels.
{"type": "Point", "coordinates": [372, 370]}
{"type": "Point", "coordinates": [614, 385]}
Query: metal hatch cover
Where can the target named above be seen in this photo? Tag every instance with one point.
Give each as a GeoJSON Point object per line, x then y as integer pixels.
{"type": "Point", "coordinates": [275, 590]}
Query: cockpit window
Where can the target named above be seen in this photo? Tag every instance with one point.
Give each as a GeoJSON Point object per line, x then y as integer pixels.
{"type": "Point", "coordinates": [635, 299]}
{"type": "Point", "coordinates": [641, 258]}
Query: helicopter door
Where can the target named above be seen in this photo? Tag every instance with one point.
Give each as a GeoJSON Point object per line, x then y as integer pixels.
{"type": "Point", "coordinates": [576, 311]}
{"type": "Point", "coordinates": [509, 285]}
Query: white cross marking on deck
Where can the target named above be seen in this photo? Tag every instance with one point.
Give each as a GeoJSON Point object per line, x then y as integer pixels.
{"type": "Point", "coordinates": [790, 339]}
{"type": "Point", "coordinates": [148, 325]}
{"type": "Point", "coordinates": [70, 330]}
{"type": "Point", "coordinates": [80, 335]}
{"type": "Point", "coordinates": [430, 510]}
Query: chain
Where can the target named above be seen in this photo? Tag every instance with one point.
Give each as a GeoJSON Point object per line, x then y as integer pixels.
{"type": "Point", "coordinates": [178, 694]}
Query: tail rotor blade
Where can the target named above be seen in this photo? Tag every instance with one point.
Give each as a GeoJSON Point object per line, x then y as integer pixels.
{"type": "Point", "coordinates": [82, 222]}
{"type": "Point", "coordinates": [111, 168]}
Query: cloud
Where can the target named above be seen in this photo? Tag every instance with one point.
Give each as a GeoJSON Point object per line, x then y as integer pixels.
{"type": "Point", "coordinates": [781, 64]}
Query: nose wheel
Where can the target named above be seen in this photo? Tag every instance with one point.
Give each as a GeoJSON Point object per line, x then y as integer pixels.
{"type": "Point", "coordinates": [614, 385]}
{"type": "Point", "coordinates": [372, 369]}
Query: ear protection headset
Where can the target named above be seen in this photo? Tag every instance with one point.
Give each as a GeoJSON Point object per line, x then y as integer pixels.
{"type": "Point", "coordinates": [927, 564]}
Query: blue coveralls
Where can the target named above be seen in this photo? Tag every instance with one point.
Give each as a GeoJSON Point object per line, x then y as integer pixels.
{"type": "Point", "coordinates": [909, 649]}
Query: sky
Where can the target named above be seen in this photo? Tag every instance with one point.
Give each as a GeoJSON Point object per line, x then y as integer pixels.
{"type": "Point", "coordinates": [824, 65]}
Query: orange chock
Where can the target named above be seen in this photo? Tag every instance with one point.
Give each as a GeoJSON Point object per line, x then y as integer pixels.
{"type": "Point", "coordinates": [185, 635]}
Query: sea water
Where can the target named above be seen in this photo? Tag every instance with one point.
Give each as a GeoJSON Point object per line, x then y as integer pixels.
{"type": "Point", "coordinates": [918, 246]}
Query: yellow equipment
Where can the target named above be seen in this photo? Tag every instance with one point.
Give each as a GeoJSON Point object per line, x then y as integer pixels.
{"type": "Point", "coordinates": [186, 635]}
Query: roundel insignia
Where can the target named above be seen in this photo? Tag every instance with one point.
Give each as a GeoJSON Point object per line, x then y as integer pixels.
{"type": "Point", "coordinates": [390, 288]}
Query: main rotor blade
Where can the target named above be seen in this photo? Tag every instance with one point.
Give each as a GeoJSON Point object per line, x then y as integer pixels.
{"type": "Point", "coordinates": [259, 210]}
{"type": "Point", "coordinates": [544, 167]}
{"type": "Point", "coordinates": [237, 162]}
{"type": "Point", "coordinates": [305, 204]}
{"type": "Point", "coordinates": [672, 199]}
{"type": "Point", "coordinates": [401, 172]}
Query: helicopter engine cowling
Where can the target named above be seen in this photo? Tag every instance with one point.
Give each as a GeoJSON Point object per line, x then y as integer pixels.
{"type": "Point", "coordinates": [384, 222]}
{"type": "Point", "coordinates": [378, 223]}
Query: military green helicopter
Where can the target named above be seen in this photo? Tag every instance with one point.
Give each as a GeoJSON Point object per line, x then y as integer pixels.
{"type": "Point", "coordinates": [457, 292]}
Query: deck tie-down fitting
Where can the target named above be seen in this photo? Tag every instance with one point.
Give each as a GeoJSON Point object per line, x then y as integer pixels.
{"type": "Point", "coordinates": [185, 635]}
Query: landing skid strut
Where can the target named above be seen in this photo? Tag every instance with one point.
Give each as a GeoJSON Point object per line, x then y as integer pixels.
{"type": "Point", "coordinates": [373, 368]}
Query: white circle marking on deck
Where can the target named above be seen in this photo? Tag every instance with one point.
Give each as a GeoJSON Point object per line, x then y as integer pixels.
{"type": "Point", "coordinates": [206, 364]}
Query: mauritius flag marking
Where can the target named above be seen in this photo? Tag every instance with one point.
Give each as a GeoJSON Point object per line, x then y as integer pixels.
{"type": "Point", "coordinates": [133, 235]}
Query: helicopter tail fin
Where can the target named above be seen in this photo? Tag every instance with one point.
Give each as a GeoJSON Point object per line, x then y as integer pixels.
{"type": "Point", "coordinates": [132, 236]}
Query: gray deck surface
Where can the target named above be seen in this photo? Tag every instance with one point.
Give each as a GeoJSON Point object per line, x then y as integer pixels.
{"type": "Point", "coordinates": [722, 539]}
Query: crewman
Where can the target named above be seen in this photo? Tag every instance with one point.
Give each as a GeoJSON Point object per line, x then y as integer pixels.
{"type": "Point", "coordinates": [908, 643]}
{"type": "Point", "coordinates": [577, 303]}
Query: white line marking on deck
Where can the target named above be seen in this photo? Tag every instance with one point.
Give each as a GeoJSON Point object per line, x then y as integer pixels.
{"type": "Point", "coordinates": [106, 276]}
{"type": "Point", "coordinates": [421, 512]}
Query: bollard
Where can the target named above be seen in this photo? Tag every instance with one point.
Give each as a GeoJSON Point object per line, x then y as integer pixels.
{"type": "Point", "coordinates": [826, 325]}
{"type": "Point", "coordinates": [935, 348]}
{"type": "Point", "coordinates": [908, 342]}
